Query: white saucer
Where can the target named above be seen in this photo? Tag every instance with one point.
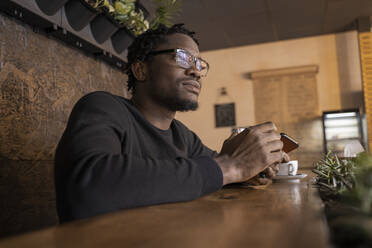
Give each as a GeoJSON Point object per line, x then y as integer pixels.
{"type": "Point", "coordinates": [298, 176]}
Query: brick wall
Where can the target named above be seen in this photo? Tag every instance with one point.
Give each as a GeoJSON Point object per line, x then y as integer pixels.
{"type": "Point", "coordinates": [40, 81]}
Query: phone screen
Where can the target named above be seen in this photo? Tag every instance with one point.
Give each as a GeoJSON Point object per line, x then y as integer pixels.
{"type": "Point", "coordinates": [289, 144]}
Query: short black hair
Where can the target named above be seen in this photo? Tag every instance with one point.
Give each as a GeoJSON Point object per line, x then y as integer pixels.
{"type": "Point", "coordinates": [145, 43]}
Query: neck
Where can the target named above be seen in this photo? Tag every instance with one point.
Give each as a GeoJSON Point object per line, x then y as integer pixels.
{"type": "Point", "coordinates": [156, 114]}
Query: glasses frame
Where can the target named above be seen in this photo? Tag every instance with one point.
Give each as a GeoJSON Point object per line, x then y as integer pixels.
{"type": "Point", "coordinates": [175, 50]}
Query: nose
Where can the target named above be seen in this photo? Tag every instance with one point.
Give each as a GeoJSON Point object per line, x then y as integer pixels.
{"type": "Point", "coordinates": [193, 72]}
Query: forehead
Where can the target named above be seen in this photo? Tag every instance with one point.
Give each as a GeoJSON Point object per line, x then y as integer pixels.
{"type": "Point", "coordinates": [180, 41]}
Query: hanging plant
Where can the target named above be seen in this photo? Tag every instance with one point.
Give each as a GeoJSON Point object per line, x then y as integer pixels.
{"type": "Point", "coordinates": [102, 5]}
{"type": "Point", "coordinates": [165, 12]}
{"type": "Point", "coordinates": [125, 14]}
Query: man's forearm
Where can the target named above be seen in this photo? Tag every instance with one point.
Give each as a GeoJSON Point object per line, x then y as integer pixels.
{"type": "Point", "coordinates": [231, 173]}
{"type": "Point", "coordinates": [105, 182]}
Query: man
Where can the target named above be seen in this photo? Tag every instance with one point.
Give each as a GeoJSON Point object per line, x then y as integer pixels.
{"type": "Point", "coordinates": [117, 153]}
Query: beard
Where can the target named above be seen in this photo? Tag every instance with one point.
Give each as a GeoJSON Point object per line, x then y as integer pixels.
{"type": "Point", "coordinates": [173, 99]}
{"type": "Point", "coordinates": [175, 102]}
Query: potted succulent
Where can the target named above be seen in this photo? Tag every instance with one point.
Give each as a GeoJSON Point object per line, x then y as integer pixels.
{"type": "Point", "coordinates": [345, 186]}
{"type": "Point", "coordinates": [79, 13]}
{"type": "Point", "coordinates": [121, 20]}
{"type": "Point", "coordinates": [132, 17]}
{"type": "Point", "coordinates": [50, 7]}
{"type": "Point", "coordinates": [132, 21]}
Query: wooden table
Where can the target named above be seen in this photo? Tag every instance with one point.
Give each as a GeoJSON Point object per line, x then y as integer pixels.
{"type": "Point", "coordinates": [285, 214]}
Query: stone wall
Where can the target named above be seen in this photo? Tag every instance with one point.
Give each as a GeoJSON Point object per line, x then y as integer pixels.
{"type": "Point", "coordinates": [40, 81]}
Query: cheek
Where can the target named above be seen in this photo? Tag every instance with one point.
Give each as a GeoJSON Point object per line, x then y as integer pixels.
{"type": "Point", "coordinates": [165, 75]}
{"type": "Point", "coordinates": [169, 77]}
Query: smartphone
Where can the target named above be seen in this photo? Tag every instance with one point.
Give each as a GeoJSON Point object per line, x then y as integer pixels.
{"type": "Point", "coordinates": [289, 144]}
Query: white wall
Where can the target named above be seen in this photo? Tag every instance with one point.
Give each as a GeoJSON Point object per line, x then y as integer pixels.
{"type": "Point", "coordinates": [229, 66]}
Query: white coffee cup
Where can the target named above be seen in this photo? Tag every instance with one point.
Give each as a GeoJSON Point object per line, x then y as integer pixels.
{"type": "Point", "coordinates": [288, 169]}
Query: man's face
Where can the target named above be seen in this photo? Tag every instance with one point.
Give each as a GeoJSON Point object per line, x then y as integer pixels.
{"type": "Point", "coordinates": [170, 85]}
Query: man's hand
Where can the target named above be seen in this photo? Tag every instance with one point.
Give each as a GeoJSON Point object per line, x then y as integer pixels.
{"type": "Point", "coordinates": [269, 173]}
{"type": "Point", "coordinates": [245, 155]}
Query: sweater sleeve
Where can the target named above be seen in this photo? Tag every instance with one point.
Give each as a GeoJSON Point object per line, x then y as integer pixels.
{"type": "Point", "coordinates": [93, 176]}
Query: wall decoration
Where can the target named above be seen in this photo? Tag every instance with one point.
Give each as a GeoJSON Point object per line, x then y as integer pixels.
{"type": "Point", "coordinates": [225, 114]}
{"type": "Point", "coordinates": [224, 110]}
{"type": "Point", "coordinates": [289, 98]}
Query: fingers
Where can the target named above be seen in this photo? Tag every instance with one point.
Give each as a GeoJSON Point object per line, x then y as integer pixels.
{"type": "Point", "coordinates": [264, 127]}
{"type": "Point", "coordinates": [263, 133]}
{"type": "Point", "coordinates": [275, 146]}
{"type": "Point", "coordinates": [252, 151]}
{"type": "Point", "coordinates": [264, 181]}
{"type": "Point", "coordinates": [270, 173]}
{"type": "Point", "coordinates": [270, 137]}
{"type": "Point", "coordinates": [272, 170]}
{"type": "Point", "coordinates": [257, 181]}
{"type": "Point", "coordinates": [254, 181]}
{"type": "Point", "coordinates": [274, 158]}
{"type": "Point", "coordinates": [275, 167]}
{"type": "Point", "coordinates": [286, 158]}
{"type": "Point", "coordinates": [253, 136]}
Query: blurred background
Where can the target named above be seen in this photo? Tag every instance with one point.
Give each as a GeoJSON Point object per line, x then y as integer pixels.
{"type": "Point", "coordinates": [301, 64]}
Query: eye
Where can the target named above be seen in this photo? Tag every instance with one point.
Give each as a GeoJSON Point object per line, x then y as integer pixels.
{"type": "Point", "coordinates": [183, 55]}
{"type": "Point", "coordinates": [183, 59]}
{"type": "Point", "coordinates": [199, 65]}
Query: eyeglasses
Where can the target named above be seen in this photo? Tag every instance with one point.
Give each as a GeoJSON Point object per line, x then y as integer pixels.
{"type": "Point", "coordinates": [186, 60]}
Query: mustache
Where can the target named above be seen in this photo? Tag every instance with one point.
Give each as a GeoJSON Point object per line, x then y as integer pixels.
{"type": "Point", "coordinates": [197, 79]}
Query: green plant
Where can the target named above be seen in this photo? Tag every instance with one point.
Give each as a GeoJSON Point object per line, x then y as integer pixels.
{"type": "Point", "coordinates": [101, 5]}
{"type": "Point", "coordinates": [361, 193]}
{"type": "Point", "coordinates": [165, 11]}
{"type": "Point", "coordinates": [125, 13]}
{"type": "Point", "coordinates": [334, 175]}
{"type": "Point", "coordinates": [349, 178]}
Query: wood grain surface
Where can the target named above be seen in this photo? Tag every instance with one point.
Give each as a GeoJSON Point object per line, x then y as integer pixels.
{"type": "Point", "coordinates": [285, 214]}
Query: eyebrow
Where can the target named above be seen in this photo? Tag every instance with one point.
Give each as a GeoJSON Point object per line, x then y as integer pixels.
{"type": "Point", "coordinates": [192, 53]}
{"type": "Point", "coordinates": [172, 50]}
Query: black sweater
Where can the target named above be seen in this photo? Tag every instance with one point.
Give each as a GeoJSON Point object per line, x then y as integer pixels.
{"type": "Point", "coordinates": [110, 157]}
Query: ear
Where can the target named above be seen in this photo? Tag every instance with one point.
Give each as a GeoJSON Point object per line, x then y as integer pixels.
{"type": "Point", "coordinates": [139, 70]}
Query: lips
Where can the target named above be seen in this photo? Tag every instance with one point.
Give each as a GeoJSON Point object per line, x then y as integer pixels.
{"type": "Point", "coordinates": [192, 86]}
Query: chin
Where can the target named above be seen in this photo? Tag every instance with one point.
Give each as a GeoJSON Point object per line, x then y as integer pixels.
{"type": "Point", "coordinates": [183, 105]}
{"type": "Point", "coordinates": [191, 106]}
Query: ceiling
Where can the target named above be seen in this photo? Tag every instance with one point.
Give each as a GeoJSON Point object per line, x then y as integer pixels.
{"type": "Point", "coordinates": [229, 23]}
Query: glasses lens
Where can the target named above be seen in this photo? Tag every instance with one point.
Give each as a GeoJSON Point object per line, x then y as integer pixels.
{"type": "Point", "coordinates": [184, 59]}
{"type": "Point", "coordinates": [201, 66]}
